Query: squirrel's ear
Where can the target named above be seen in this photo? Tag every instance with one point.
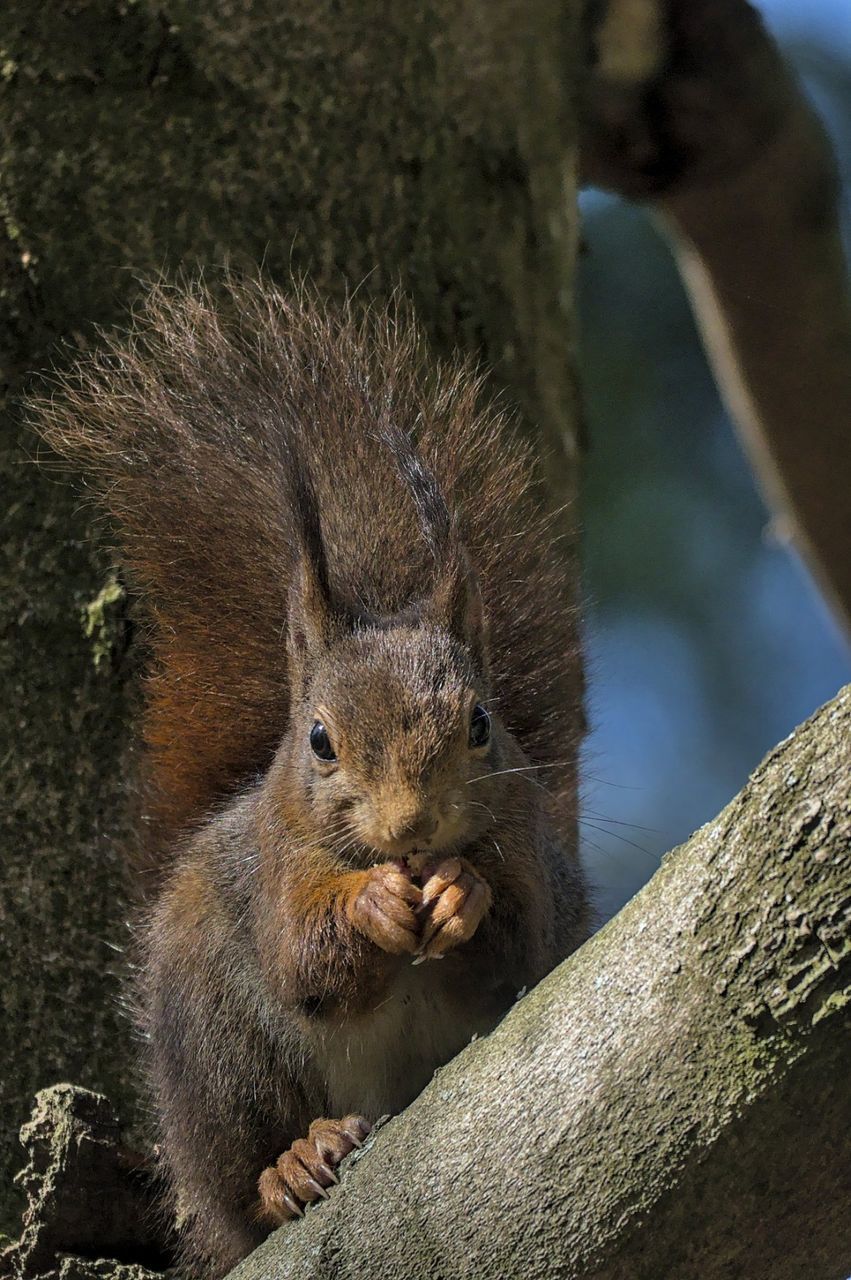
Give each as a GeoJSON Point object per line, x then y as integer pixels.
{"type": "Point", "coordinates": [311, 623]}
{"type": "Point", "coordinates": [456, 604]}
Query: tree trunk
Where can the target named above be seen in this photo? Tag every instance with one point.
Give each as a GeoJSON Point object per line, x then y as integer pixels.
{"type": "Point", "coordinates": [672, 1101]}
{"type": "Point", "coordinates": [428, 143]}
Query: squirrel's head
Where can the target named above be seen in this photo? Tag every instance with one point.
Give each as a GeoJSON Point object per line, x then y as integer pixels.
{"type": "Point", "coordinates": [389, 724]}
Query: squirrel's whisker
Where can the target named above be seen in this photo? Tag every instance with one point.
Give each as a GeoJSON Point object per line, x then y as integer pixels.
{"type": "Point", "coordinates": [521, 768]}
{"type": "Point", "coordinates": [477, 804]}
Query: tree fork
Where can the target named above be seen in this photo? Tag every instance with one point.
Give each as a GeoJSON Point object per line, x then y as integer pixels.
{"type": "Point", "coordinates": [672, 1101]}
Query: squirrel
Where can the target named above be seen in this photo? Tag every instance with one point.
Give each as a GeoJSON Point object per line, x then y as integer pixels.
{"type": "Point", "coordinates": [359, 734]}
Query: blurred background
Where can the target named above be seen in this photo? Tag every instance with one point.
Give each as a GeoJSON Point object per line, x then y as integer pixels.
{"type": "Point", "coordinates": [707, 641]}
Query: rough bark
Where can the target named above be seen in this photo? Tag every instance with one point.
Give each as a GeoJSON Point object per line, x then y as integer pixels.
{"type": "Point", "coordinates": [90, 1209]}
{"type": "Point", "coordinates": [430, 143]}
{"type": "Point", "coordinates": [692, 108]}
{"type": "Point", "coordinates": [672, 1101]}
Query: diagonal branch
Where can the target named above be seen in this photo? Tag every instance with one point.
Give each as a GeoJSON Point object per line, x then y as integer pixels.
{"type": "Point", "coordinates": [672, 1101]}
{"type": "Point", "coordinates": [692, 108]}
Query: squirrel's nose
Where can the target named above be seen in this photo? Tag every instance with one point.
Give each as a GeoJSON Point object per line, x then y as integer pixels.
{"type": "Point", "coordinates": [418, 827]}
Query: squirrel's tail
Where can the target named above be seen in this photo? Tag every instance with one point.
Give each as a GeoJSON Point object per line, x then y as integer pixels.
{"type": "Point", "coordinates": [195, 482]}
{"type": "Point", "coordinates": [196, 428]}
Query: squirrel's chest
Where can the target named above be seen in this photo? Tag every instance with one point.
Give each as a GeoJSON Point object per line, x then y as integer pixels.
{"type": "Point", "coordinates": [379, 1061]}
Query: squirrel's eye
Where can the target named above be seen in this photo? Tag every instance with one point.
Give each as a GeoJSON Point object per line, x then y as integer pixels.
{"type": "Point", "coordinates": [480, 726]}
{"type": "Point", "coordinates": [320, 743]}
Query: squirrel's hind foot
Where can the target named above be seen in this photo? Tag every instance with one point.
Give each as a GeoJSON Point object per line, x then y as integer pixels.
{"type": "Point", "coordinates": [304, 1173]}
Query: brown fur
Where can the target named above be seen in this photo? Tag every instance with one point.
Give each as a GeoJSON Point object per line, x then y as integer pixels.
{"type": "Point", "coordinates": [324, 525]}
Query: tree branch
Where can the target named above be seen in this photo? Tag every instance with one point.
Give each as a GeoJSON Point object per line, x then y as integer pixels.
{"type": "Point", "coordinates": [673, 1100]}
{"type": "Point", "coordinates": [692, 108]}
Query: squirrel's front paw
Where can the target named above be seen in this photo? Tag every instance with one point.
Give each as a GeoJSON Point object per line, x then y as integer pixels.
{"type": "Point", "coordinates": [305, 1172]}
{"type": "Point", "coordinates": [455, 899]}
{"type": "Point", "coordinates": [383, 908]}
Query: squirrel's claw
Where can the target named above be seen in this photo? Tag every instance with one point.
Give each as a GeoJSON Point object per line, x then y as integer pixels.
{"type": "Point", "coordinates": [293, 1205]}
{"type": "Point", "coordinates": [437, 879]}
{"type": "Point", "coordinates": [356, 1129]}
{"type": "Point", "coordinates": [305, 1172]}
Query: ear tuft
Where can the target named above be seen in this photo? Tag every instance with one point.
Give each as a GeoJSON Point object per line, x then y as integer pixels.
{"type": "Point", "coordinates": [456, 604]}
{"type": "Point", "coordinates": [311, 620]}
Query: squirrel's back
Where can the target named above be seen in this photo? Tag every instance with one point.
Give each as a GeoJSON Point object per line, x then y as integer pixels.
{"type": "Point", "coordinates": [198, 426]}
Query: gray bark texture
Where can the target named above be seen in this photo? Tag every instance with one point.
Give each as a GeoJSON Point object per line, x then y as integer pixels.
{"type": "Point", "coordinates": [90, 1199]}
{"type": "Point", "coordinates": [430, 143]}
{"type": "Point", "coordinates": [672, 1101]}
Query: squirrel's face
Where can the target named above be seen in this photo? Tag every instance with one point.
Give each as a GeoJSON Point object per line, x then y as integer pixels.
{"type": "Point", "coordinates": [388, 740]}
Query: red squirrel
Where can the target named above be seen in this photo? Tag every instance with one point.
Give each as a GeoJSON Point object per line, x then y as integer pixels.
{"type": "Point", "coordinates": [359, 734]}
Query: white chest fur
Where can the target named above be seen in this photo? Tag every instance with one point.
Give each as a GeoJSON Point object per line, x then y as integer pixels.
{"type": "Point", "coordinates": [377, 1062]}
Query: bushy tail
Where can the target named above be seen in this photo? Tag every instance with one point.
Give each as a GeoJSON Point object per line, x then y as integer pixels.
{"type": "Point", "coordinates": [196, 427]}
{"type": "Point", "coordinates": [170, 426]}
